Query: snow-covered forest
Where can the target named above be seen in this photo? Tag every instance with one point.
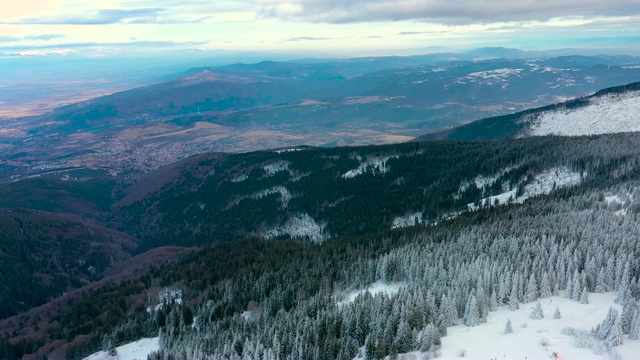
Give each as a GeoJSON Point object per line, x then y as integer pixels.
{"type": "Point", "coordinates": [452, 274]}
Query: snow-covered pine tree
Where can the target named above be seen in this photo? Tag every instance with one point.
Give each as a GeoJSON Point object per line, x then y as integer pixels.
{"type": "Point", "coordinates": [601, 286]}
{"type": "Point", "coordinates": [508, 329]}
{"type": "Point", "coordinates": [568, 291]}
{"type": "Point", "coordinates": [556, 313]}
{"type": "Point", "coordinates": [603, 329]}
{"type": "Point", "coordinates": [493, 302]}
{"type": "Point", "coordinates": [577, 287]}
{"type": "Point", "coordinates": [513, 298]}
{"type": "Point", "coordinates": [537, 312]}
{"type": "Point", "coordinates": [634, 328]}
{"type": "Point", "coordinates": [614, 338]}
{"type": "Point", "coordinates": [626, 318]}
{"type": "Point", "coordinates": [471, 313]}
{"type": "Point", "coordinates": [545, 286]}
{"type": "Point", "coordinates": [429, 337]}
{"type": "Point", "coordinates": [531, 293]}
{"type": "Point", "coordinates": [584, 297]}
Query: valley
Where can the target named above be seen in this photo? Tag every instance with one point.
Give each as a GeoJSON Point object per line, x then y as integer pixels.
{"type": "Point", "coordinates": [240, 108]}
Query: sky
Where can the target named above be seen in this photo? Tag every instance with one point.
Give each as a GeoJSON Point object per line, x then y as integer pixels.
{"type": "Point", "coordinates": [99, 28]}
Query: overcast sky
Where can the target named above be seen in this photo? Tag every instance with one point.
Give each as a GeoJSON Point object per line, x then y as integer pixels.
{"type": "Point", "coordinates": [349, 27]}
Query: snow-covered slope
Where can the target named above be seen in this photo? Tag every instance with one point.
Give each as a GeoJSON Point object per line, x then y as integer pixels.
{"type": "Point", "coordinates": [542, 184]}
{"type": "Point", "coordinates": [611, 113]}
{"type": "Point", "coordinates": [137, 350]}
{"type": "Point", "coordinates": [539, 339]}
{"type": "Point", "coordinates": [545, 338]}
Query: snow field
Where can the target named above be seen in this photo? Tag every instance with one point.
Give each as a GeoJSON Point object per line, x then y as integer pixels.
{"type": "Point", "coordinates": [537, 339]}
{"type": "Point", "coordinates": [300, 226]}
{"type": "Point", "coordinates": [372, 163]}
{"type": "Point", "coordinates": [137, 350]}
{"type": "Point", "coordinates": [612, 113]}
{"type": "Point", "coordinates": [542, 184]}
{"type": "Point", "coordinates": [378, 287]}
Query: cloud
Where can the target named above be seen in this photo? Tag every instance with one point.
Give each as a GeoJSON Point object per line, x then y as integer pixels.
{"type": "Point", "coordinates": [443, 11]}
{"type": "Point", "coordinates": [309, 38]}
{"type": "Point", "coordinates": [9, 39]}
{"type": "Point", "coordinates": [42, 37]}
{"type": "Point", "coordinates": [420, 32]}
{"type": "Point", "coordinates": [84, 45]}
{"type": "Point", "coordinates": [154, 15]}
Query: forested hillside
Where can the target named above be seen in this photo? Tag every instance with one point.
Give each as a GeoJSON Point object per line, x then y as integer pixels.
{"type": "Point", "coordinates": [320, 194]}
{"type": "Point", "coordinates": [455, 252]}
{"type": "Point", "coordinates": [43, 255]}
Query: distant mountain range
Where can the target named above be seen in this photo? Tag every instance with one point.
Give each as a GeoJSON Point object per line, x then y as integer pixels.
{"type": "Point", "coordinates": [277, 104]}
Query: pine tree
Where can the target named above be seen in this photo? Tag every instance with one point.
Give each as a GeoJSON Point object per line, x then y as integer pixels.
{"type": "Point", "coordinates": [531, 294]}
{"type": "Point", "coordinates": [545, 286]}
{"type": "Point", "coordinates": [556, 314]}
{"type": "Point", "coordinates": [493, 302]}
{"type": "Point", "coordinates": [537, 312]}
{"type": "Point", "coordinates": [429, 337]}
{"type": "Point", "coordinates": [634, 328]}
{"type": "Point", "coordinates": [471, 313]}
{"type": "Point", "coordinates": [603, 329]}
{"type": "Point", "coordinates": [584, 297]}
{"type": "Point", "coordinates": [513, 300]}
{"type": "Point", "coordinates": [568, 291]}
{"type": "Point", "coordinates": [601, 286]}
{"type": "Point", "coordinates": [577, 287]}
{"type": "Point", "coordinates": [626, 318]}
{"type": "Point", "coordinates": [508, 329]}
{"type": "Point", "coordinates": [614, 337]}
{"type": "Point", "coordinates": [370, 351]}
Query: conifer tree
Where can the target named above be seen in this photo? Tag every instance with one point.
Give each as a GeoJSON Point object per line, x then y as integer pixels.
{"type": "Point", "coordinates": [531, 293]}
{"type": "Point", "coordinates": [614, 337]}
{"type": "Point", "coordinates": [556, 313]}
{"type": "Point", "coordinates": [601, 286]}
{"type": "Point", "coordinates": [471, 313]}
{"type": "Point", "coordinates": [513, 299]}
{"type": "Point", "coordinates": [508, 329]}
{"type": "Point", "coordinates": [634, 328]}
{"type": "Point", "coordinates": [545, 286]}
{"type": "Point", "coordinates": [537, 313]}
{"type": "Point", "coordinates": [584, 297]}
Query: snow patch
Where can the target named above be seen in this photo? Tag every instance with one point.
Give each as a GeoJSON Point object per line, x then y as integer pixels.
{"type": "Point", "coordinates": [285, 195]}
{"type": "Point", "coordinates": [481, 180]}
{"type": "Point", "coordinates": [378, 287]}
{"type": "Point", "coordinates": [276, 167]}
{"type": "Point", "coordinates": [612, 113]}
{"type": "Point", "coordinates": [373, 164]}
{"type": "Point", "coordinates": [300, 226]}
{"type": "Point", "coordinates": [542, 184]}
{"type": "Point", "coordinates": [492, 77]}
{"type": "Point", "coordinates": [240, 178]}
{"type": "Point", "coordinates": [407, 220]}
{"type": "Point", "coordinates": [137, 350]}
